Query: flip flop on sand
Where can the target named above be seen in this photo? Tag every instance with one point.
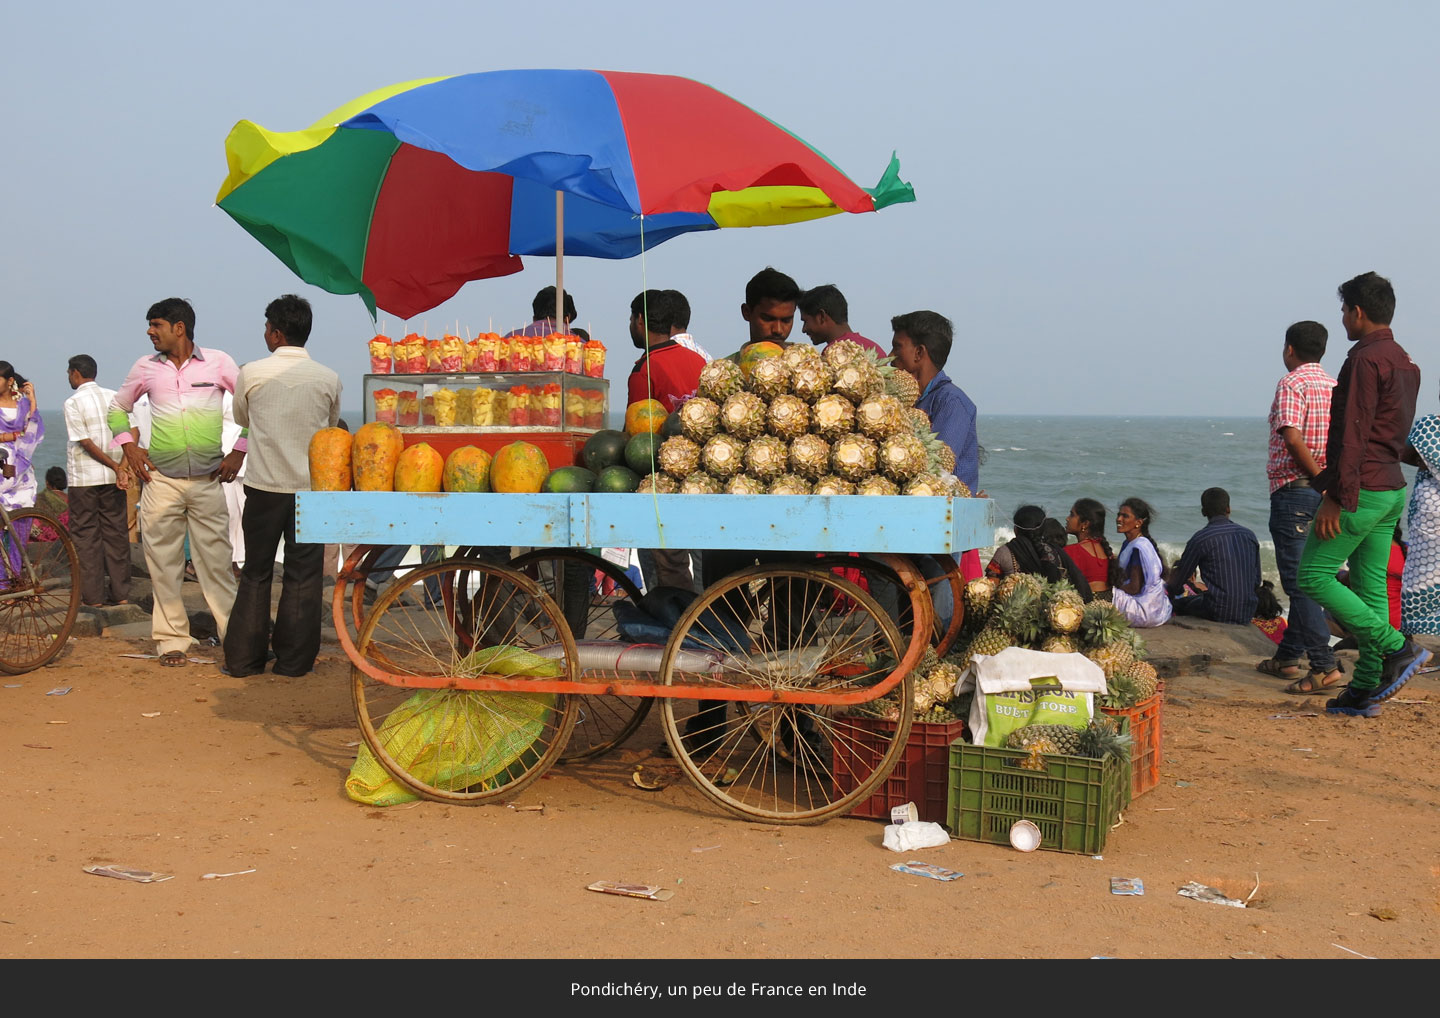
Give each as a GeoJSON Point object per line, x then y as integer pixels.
{"type": "Point", "coordinates": [173, 659]}
{"type": "Point", "coordinates": [1317, 682]}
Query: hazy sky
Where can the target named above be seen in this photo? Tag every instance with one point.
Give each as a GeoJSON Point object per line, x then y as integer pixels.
{"type": "Point", "coordinates": [1120, 205]}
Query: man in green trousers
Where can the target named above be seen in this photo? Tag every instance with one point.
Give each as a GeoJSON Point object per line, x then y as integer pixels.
{"type": "Point", "coordinates": [1371, 410]}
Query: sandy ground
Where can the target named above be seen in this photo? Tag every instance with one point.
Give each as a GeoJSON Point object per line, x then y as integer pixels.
{"type": "Point", "coordinates": [1327, 826]}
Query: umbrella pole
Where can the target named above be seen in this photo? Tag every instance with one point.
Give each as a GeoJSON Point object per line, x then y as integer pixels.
{"type": "Point", "coordinates": [560, 261]}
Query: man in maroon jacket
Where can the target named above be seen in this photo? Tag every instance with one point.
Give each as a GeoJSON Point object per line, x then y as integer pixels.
{"type": "Point", "coordinates": [1371, 410]}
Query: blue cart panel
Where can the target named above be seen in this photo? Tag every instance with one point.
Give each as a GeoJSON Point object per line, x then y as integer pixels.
{"type": "Point", "coordinates": [902, 524]}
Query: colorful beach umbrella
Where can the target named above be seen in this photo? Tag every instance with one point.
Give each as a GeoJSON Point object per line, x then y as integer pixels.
{"type": "Point", "coordinates": [407, 193]}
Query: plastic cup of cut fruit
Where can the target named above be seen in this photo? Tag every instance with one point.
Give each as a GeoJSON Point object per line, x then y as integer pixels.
{"type": "Point", "coordinates": [1025, 836]}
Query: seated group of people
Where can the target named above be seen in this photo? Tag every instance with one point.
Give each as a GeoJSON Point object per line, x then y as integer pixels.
{"type": "Point", "coordinates": [1137, 579]}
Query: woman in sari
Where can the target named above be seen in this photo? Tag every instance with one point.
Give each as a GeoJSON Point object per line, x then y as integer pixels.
{"type": "Point", "coordinates": [1140, 592]}
{"type": "Point", "coordinates": [21, 430]}
{"type": "Point", "coordinates": [1420, 578]}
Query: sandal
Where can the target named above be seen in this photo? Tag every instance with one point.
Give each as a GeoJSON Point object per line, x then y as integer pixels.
{"type": "Point", "coordinates": [1270, 666]}
{"type": "Point", "coordinates": [1315, 682]}
{"type": "Point", "coordinates": [173, 659]}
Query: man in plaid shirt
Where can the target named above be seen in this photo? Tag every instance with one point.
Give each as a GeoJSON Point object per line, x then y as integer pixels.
{"type": "Point", "coordinates": [1299, 422]}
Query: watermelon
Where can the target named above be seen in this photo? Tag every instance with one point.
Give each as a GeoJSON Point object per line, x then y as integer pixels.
{"type": "Point", "coordinates": [604, 449]}
{"type": "Point", "coordinates": [640, 452]}
{"type": "Point", "coordinates": [617, 479]}
{"type": "Point", "coordinates": [569, 479]}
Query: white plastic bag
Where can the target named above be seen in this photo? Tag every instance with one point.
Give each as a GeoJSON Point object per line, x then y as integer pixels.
{"type": "Point", "coordinates": [914, 834]}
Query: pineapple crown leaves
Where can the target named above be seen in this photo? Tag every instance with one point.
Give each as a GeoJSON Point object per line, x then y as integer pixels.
{"type": "Point", "coordinates": [1102, 740]}
{"type": "Point", "coordinates": [1019, 614]}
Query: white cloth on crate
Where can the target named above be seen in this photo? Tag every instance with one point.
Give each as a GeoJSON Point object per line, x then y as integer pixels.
{"type": "Point", "coordinates": [85, 417]}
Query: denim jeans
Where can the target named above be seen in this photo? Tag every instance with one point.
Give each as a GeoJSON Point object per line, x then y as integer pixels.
{"type": "Point", "coordinates": [1292, 510]}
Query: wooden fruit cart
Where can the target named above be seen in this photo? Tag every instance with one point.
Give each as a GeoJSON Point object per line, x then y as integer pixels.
{"type": "Point", "coordinates": [471, 675]}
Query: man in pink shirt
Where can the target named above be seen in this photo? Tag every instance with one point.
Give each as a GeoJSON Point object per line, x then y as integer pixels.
{"type": "Point", "coordinates": [825, 317]}
{"type": "Point", "coordinates": [186, 385]}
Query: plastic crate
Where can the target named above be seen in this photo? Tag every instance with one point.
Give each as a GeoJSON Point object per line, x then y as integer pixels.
{"type": "Point", "coordinates": [921, 775]}
{"type": "Point", "coordinates": [1074, 802]}
{"type": "Point", "coordinates": [1145, 720]}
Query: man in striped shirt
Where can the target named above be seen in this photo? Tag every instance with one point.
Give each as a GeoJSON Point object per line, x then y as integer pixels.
{"type": "Point", "coordinates": [1299, 422]}
{"type": "Point", "coordinates": [1228, 557]}
{"type": "Point", "coordinates": [186, 385]}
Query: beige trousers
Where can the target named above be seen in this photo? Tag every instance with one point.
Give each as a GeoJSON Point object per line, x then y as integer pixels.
{"type": "Point", "coordinates": [168, 507]}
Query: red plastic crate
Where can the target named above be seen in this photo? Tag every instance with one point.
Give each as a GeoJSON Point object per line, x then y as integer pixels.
{"type": "Point", "coordinates": [1145, 728]}
{"type": "Point", "coordinates": [921, 776]}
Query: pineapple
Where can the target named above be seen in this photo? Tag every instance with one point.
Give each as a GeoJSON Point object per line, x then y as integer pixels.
{"type": "Point", "coordinates": [853, 457]}
{"type": "Point", "coordinates": [858, 379]}
{"type": "Point", "coordinates": [719, 380]}
{"type": "Point", "coordinates": [1064, 738]}
{"type": "Point", "coordinates": [991, 640]}
{"type": "Point", "coordinates": [978, 595]}
{"type": "Point", "coordinates": [924, 484]}
{"type": "Point", "coordinates": [1112, 656]}
{"type": "Point", "coordinates": [699, 419]}
{"type": "Point", "coordinates": [660, 483]}
{"type": "Point", "coordinates": [769, 378]}
{"type": "Point", "coordinates": [877, 484]}
{"type": "Point", "coordinates": [1019, 615]}
{"type": "Point", "coordinates": [788, 416]}
{"type": "Point", "coordinates": [1057, 643]}
{"type": "Point", "coordinates": [1141, 676]}
{"type": "Point", "coordinates": [810, 456]}
{"type": "Point", "coordinates": [744, 484]}
{"type": "Point", "coordinates": [743, 415]}
{"type": "Point", "coordinates": [841, 352]}
{"type": "Point", "coordinates": [1102, 738]}
{"type": "Point", "coordinates": [902, 456]}
{"type": "Point", "coordinates": [954, 487]}
{"type": "Point", "coordinates": [880, 417]}
{"type": "Point", "coordinates": [1064, 608]}
{"type": "Point", "coordinates": [679, 456]}
{"type": "Point", "coordinates": [1121, 692]}
{"type": "Point", "coordinates": [798, 354]}
{"type": "Point", "coordinates": [790, 484]}
{"type": "Point", "coordinates": [904, 387]}
{"type": "Point", "coordinates": [766, 458]}
{"type": "Point", "coordinates": [723, 456]}
{"type": "Point", "coordinates": [919, 420]}
{"type": "Point", "coordinates": [811, 381]}
{"type": "Point", "coordinates": [1035, 757]}
{"type": "Point", "coordinates": [700, 483]}
{"type": "Point", "coordinates": [832, 485]}
{"type": "Point", "coordinates": [833, 416]}
{"type": "Point", "coordinates": [1101, 623]}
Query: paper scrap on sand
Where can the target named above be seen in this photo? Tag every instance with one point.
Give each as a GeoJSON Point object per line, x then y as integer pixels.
{"type": "Point", "coordinates": [652, 891]}
{"type": "Point", "coordinates": [156, 657]}
{"type": "Point", "coordinates": [217, 876]}
{"type": "Point", "coordinates": [926, 869]}
{"type": "Point", "coordinates": [1201, 892]}
{"type": "Point", "coordinates": [1127, 885]}
{"type": "Point", "coordinates": [129, 873]}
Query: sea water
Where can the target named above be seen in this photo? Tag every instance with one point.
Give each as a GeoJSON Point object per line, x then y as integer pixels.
{"type": "Point", "coordinates": [1051, 461]}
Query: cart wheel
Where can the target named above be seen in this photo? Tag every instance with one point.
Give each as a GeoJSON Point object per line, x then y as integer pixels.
{"type": "Point", "coordinates": [803, 629]}
{"type": "Point", "coordinates": [567, 575]}
{"type": "Point", "coordinates": [946, 588]}
{"type": "Point", "coordinates": [452, 745]}
{"type": "Point", "coordinates": [39, 600]}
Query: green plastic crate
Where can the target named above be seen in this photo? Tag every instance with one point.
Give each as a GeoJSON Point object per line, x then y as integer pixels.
{"type": "Point", "coordinates": [1074, 802]}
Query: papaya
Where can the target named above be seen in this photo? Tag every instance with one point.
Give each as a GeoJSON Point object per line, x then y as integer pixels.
{"type": "Point", "coordinates": [419, 468]}
{"type": "Point", "coordinates": [330, 459]}
{"type": "Point", "coordinates": [753, 353]}
{"type": "Point", "coordinates": [518, 467]}
{"type": "Point", "coordinates": [467, 469]}
{"type": "Point", "coordinates": [644, 415]}
{"type": "Point", "coordinates": [373, 455]}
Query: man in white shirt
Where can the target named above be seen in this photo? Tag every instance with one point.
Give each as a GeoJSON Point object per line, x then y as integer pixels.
{"type": "Point", "coordinates": [283, 399]}
{"type": "Point", "coordinates": [97, 505]}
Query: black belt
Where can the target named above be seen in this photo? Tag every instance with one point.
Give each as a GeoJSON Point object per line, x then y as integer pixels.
{"type": "Point", "coordinates": [1299, 482]}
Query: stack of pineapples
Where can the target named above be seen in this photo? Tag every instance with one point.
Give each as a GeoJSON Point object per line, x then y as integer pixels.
{"type": "Point", "coordinates": [843, 423]}
{"type": "Point", "coordinates": [935, 699]}
{"type": "Point", "coordinates": [1022, 610]}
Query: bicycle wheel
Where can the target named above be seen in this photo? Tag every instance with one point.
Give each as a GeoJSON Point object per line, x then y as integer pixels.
{"type": "Point", "coordinates": [455, 745]}
{"type": "Point", "coordinates": [801, 629]}
{"type": "Point", "coordinates": [40, 593]}
{"type": "Point", "coordinates": [567, 575]}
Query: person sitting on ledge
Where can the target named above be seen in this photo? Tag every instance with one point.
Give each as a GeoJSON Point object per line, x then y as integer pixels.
{"type": "Point", "coordinates": [1228, 557]}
